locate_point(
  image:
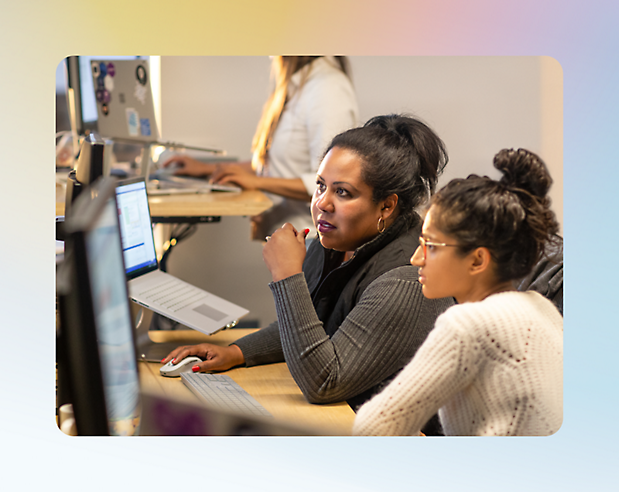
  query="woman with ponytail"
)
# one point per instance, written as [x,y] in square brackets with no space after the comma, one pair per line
[350,312]
[493,365]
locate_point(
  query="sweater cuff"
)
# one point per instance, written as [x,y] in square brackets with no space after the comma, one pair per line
[290,289]
[261,347]
[296,314]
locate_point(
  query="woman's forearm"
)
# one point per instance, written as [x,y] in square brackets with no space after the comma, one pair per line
[374,341]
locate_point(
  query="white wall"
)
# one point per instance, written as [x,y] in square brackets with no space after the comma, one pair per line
[213,101]
[478,105]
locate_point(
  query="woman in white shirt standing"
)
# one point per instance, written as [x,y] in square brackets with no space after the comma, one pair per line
[313,100]
[493,364]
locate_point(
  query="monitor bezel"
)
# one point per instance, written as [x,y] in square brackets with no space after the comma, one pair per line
[77,333]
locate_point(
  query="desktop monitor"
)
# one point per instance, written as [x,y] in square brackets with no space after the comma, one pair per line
[97,355]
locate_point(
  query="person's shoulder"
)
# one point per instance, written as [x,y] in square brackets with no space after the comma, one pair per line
[500,302]
[406,273]
[534,302]
[503,308]
[515,300]
[325,74]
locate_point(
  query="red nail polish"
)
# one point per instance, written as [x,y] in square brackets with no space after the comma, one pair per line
[162,360]
[195,368]
[173,361]
[306,231]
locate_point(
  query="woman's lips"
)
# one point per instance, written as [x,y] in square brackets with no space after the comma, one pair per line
[324,226]
[421,278]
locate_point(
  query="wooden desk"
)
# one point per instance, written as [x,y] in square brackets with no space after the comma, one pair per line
[214,204]
[271,385]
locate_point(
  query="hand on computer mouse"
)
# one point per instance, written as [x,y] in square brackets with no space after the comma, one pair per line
[188,166]
[216,358]
[173,370]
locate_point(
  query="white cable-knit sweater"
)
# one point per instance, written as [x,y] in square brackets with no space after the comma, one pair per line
[493,367]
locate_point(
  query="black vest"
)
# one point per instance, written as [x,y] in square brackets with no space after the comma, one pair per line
[337,287]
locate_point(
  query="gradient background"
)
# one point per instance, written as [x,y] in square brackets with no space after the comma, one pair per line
[34,37]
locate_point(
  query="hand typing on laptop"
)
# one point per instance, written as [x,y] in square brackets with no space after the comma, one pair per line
[216,358]
[188,166]
[184,165]
[236,174]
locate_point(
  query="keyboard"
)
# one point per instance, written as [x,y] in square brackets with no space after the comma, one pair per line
[221,392]
[165,183]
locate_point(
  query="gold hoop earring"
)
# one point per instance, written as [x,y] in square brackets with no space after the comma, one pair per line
[380,231]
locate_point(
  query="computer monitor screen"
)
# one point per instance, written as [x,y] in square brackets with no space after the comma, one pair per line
[137,231]
[95,319]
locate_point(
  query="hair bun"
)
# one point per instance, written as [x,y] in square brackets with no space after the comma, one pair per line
[525,170]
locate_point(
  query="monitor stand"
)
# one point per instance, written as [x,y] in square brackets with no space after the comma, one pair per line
[148,350]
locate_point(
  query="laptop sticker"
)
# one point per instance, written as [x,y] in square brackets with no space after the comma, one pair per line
[145,127]
[133,122]
[140,92]
[140,73]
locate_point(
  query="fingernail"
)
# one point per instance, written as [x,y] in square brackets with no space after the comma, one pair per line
[173,361]
[195,368]
[162,360]
[306,231]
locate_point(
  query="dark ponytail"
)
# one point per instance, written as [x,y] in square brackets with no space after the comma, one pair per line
[511,217]
[400,155]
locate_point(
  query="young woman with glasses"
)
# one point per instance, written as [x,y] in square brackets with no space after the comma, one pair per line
[493,365]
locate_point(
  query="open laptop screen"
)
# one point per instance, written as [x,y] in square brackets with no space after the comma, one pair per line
[136,229]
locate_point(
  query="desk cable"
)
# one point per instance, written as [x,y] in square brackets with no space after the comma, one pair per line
[178,233]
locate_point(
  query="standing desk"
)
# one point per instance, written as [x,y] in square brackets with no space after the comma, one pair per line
[271,385]
[174,208]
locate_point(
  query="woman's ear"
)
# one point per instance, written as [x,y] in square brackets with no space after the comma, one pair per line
[389,205]
[480,260]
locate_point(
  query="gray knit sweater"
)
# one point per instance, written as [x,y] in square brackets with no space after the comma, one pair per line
[377,338]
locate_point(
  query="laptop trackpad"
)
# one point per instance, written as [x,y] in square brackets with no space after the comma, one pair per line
[210,312]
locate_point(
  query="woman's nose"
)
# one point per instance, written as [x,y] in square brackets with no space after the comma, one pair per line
[324,203]
[417,259]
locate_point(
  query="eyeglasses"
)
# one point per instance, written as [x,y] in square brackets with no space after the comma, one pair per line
[424,245]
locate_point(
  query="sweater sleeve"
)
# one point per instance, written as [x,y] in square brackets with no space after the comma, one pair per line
[444,365]
[368,347]
[262,347]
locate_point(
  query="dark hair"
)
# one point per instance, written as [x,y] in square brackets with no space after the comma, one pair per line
[510,217]
[400,155]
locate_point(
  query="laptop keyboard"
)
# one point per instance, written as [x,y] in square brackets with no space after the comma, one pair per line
[173,294]
[221,392]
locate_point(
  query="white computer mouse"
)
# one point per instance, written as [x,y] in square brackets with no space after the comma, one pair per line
[173,370]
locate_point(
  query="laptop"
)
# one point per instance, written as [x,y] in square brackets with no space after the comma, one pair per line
[165,183]
[156,290]
[125,111]
[125,108]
